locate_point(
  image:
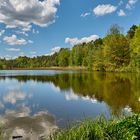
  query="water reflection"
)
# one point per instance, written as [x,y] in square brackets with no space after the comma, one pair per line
[21,124]
[13,96]
[68,96]
[17,116]
[116,90]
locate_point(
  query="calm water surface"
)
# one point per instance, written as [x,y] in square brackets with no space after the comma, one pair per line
[56,98]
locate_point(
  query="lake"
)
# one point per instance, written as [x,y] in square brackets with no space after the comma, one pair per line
[35,102]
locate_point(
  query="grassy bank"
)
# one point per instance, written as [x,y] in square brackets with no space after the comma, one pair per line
[126,128]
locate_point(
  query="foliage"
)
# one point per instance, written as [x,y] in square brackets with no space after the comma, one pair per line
[63,57]
[135,48]
[114,30]
[118,49]
[132,31]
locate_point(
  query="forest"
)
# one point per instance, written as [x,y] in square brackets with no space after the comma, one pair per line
[115,52]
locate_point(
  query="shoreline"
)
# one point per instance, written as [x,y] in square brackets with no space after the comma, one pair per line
[76,68]
[50,68]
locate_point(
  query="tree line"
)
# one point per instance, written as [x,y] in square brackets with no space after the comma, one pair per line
[115,52]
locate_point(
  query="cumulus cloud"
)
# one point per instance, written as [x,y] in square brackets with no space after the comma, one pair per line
[104,9]
[121,13]
[22,32]
[130,4]
[27,28]
[74,41]
[14,96]
[13,40]
[35,31]
[121,2]
[85,14]
[24,111]
[24,13]
[2,32]
[13,49]
[30,41]
[71,96]
[23,116]
[54,50]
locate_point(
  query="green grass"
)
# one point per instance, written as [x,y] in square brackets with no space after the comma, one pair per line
[126,128]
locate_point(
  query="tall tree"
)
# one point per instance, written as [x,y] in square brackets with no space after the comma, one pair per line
[132,31]
[117,47]
[135,48]
[63,57]
[115,29]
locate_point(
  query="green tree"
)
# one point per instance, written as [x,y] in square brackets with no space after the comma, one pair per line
[118,50]
[115,29]
[132,31]
[63,57]
[135,48]
[78,54]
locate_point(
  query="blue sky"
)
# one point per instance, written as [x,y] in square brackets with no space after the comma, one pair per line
[33,27]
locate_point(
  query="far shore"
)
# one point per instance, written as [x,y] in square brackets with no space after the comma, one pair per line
[50,68]
[77,68]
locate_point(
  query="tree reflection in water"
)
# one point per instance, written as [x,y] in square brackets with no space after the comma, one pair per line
[118,91]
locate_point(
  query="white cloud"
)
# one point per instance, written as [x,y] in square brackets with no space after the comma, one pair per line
[130,4]
[27,28]
[2,32]
[121,2]
[121,13]
[74,41]
[41,121]
[13,40]
[104,9]
[54,50]
[30,41]
[71,96]
[13,49]
[85,14]
[22,32]
[13,96]
[23,13]
[35,31]
[23,111]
